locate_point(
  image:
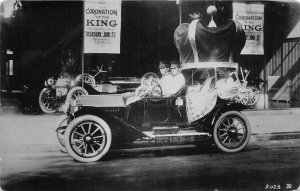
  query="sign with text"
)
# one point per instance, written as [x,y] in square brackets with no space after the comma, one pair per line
[102,26]
[251,17]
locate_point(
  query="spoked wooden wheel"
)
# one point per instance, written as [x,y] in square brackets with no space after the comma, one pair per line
[242,96]
[254,95]
[46,102]
[87,78]
[88,138]
[232,131]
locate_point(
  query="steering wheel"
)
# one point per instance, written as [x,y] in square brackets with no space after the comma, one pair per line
[140,91]
[155,90]
[148,78]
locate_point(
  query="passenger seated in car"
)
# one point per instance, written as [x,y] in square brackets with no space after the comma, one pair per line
[209,83]
[226,87]
[177,80]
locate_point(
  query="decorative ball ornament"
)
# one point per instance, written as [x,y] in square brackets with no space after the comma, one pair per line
[211,10]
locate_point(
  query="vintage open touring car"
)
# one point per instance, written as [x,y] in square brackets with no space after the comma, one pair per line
[56,92]
[207,110]
[95,123]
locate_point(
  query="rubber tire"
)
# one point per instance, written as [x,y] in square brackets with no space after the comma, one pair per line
[71,92]
[41,103]
[79,120]
[248,129]
[93,81]
[60,146]
[243,96]
[250,88]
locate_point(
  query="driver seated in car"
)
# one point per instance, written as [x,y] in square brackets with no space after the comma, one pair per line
[166,77]
[176,81]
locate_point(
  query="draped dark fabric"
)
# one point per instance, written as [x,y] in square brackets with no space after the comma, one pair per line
[213,44]
[182,43]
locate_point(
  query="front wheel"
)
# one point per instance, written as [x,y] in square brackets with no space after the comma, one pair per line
[232,132]
[88,138]
[46,101]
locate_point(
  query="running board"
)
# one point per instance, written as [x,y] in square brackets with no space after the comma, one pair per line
[179,138]
[179,134]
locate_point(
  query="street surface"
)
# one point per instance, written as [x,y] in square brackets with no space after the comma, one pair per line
[31,161]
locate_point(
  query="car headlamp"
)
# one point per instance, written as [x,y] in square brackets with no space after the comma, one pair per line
[50,81]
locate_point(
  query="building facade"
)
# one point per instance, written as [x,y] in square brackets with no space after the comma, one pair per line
[37,41]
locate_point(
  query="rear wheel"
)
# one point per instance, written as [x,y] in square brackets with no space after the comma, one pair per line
[88,138]
[232,131]
[242,96]
[46,102]
[254,95]
[87,78]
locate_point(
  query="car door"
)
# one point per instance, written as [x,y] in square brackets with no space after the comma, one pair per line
[157,110]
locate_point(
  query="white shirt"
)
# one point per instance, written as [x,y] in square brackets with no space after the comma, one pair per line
[175,83]
[165,80]
[207,84]
[227,88]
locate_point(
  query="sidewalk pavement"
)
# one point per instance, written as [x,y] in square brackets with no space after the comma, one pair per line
[274,120]
[274,124]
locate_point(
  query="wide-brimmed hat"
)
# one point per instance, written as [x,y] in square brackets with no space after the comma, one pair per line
[175,64]
[163,64]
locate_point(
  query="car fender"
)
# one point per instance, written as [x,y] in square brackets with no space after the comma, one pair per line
[223,107]
[121,130]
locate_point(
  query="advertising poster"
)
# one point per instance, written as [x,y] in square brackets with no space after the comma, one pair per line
[251,17]
[102,26]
